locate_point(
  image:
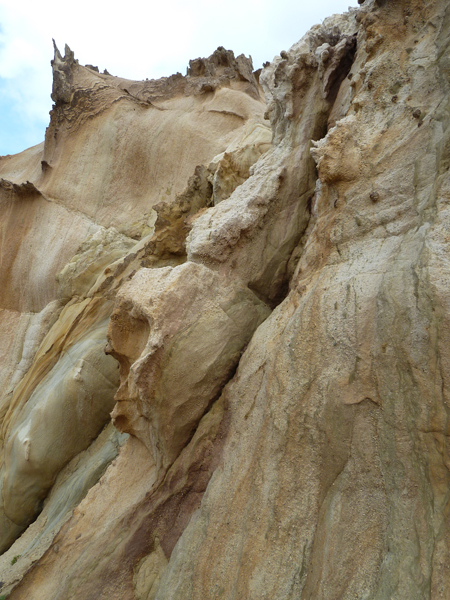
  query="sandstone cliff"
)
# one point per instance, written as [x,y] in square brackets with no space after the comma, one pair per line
[250,273]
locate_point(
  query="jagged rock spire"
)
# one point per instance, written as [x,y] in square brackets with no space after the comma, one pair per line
[62,74]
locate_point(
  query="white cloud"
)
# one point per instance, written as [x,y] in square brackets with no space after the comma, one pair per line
[137,40]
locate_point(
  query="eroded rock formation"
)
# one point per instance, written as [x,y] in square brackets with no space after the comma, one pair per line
[65,255]
[275,313]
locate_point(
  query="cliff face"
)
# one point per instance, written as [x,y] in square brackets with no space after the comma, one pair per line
[263,311]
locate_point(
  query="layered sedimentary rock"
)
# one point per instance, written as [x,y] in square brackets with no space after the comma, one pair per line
[63,260]
[266,319]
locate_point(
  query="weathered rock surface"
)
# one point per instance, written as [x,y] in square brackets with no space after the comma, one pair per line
[63,260]
[162,316]
[281,324]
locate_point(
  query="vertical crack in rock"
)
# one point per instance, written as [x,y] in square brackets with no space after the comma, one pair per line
[161,397]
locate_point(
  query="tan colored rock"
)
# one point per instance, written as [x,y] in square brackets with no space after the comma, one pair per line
[124,123]
[148,573]
[64,399]
[338,156]
[232,168]
[58,383]
[71,486]
[320,467]
[168,243]
[32,222]
[97,545]
[161,317]
[139,127]
[346,443]
[81,273]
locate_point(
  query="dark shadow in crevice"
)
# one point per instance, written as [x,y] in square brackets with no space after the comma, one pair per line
[342,69]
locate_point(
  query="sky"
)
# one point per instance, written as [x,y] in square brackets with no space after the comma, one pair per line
[132,39]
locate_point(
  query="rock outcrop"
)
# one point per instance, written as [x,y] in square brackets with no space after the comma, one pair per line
[65,254]
[264,313]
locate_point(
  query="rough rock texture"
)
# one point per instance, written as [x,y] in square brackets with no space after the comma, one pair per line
[281,323]
[162,395]
[63,260]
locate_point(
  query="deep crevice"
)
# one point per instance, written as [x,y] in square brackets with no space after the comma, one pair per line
[342,69]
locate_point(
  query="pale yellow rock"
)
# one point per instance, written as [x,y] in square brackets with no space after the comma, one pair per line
[97,544]
[70,487]
[319,468]
[30,223]
[232,167]
[93,256]
[107,159]
[64,400]
[161,316]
